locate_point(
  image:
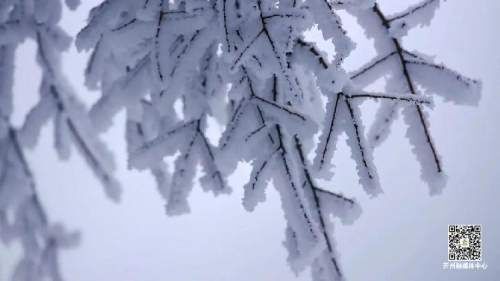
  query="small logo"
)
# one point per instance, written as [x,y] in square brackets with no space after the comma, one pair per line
[464,242]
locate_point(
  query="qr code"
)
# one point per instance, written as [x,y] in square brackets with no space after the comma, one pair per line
[464,242]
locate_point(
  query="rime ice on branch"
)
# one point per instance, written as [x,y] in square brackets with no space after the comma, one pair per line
[22,216]
[409,72]
[174,65]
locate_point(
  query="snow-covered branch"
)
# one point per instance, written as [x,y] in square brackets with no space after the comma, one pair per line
[247,65]
[180,68]
[410,71]
[22,215]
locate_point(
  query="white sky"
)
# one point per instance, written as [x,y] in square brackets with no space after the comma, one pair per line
[401,235]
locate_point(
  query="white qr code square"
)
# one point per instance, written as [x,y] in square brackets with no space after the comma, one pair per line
[464,242]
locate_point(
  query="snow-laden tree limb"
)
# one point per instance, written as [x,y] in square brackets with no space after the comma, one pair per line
[22,214]
[180,68]
[408,71]
[247,65]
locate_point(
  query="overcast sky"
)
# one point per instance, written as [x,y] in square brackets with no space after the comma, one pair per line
[401,235]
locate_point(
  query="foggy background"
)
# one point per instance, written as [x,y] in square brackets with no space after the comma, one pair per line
[401,234]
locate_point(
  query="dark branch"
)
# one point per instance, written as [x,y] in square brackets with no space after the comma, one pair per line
[79,139]
[358,136]
[335,195]
[330,131]
[280,107]
[313,189]
[409,83]
[395,98]
[291,181]
[261,168]
[415,9]
[157,41]
[372,65]
[313,51]
[210,153]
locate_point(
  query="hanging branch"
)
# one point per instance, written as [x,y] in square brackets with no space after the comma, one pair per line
[415,71]
[400,54]
[91,148]
[22,214]
[247,65]
[314,190]
[40,239]
[179,69]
